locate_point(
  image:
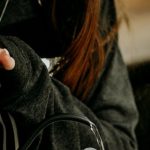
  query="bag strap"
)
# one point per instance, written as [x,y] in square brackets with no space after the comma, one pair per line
[3,10]
[63,117]
[9,137]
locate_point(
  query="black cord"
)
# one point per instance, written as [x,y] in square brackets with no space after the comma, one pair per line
[58,118]
[4,10]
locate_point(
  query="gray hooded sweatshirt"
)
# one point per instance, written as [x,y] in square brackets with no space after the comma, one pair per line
[31,95]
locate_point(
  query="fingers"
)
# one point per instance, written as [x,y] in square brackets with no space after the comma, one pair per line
[6,61]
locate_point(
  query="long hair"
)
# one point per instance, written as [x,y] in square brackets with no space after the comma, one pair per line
[84,57]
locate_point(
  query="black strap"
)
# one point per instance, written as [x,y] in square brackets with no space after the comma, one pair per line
[63,117]
[9,139]
[9,135]
[3,10]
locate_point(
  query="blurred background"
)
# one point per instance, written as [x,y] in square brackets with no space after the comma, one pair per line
[135,40]
[135,47]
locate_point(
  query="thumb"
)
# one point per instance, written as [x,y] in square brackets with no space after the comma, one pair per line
[6,61]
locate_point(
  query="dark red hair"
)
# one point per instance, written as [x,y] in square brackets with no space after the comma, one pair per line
[84,58]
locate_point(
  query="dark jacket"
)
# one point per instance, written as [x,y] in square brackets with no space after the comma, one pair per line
[31,95]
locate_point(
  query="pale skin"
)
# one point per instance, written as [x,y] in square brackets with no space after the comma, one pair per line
[6,61]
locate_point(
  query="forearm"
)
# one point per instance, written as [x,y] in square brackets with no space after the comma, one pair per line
[23,78]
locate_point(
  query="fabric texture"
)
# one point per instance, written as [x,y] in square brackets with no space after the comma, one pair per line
[31,95]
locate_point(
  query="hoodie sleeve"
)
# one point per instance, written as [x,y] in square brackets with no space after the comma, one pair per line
[27,78]
[112,101]
[31,93]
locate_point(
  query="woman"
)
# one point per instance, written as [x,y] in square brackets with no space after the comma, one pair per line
[90,79]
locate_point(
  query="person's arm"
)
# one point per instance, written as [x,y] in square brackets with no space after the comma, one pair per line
[112,99]
[36,96]
[21,71]
[110,105]
[113,102]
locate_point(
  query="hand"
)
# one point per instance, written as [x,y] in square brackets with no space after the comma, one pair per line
[6,61]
